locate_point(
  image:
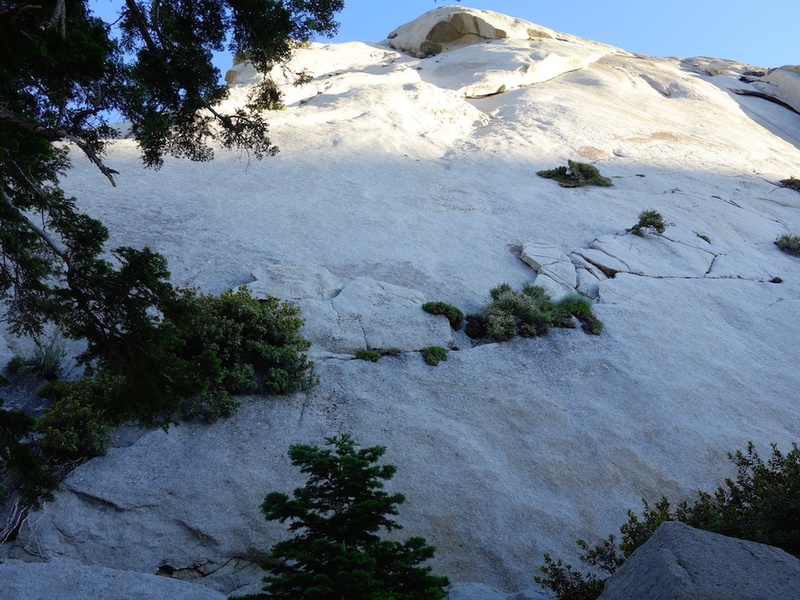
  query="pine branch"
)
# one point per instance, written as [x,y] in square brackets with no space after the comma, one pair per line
[59,16]
[58,135]
[43,235]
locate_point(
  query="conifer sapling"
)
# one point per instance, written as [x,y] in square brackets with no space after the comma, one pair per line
[337,516]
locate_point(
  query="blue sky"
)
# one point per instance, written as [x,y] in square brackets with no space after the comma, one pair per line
[763,33]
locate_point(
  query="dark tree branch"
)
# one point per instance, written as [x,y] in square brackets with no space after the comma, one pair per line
[59,16]
[90,153]
[58,135]
[43,235]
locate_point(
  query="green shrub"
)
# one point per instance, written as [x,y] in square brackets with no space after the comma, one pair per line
[789,244]
[337,516]
[433,355]
[76,426]
[368,355]
[71,430]
[580,307]
[762,505]
[46,362]
[792,183]
[22,469]
[205,349]
[649,219]
[510,313]
[529,313]
[705,238]
[453,314]
[576,175]
[476,327]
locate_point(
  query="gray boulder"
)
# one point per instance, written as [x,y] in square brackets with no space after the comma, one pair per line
[480,591]
[45,581]
[683,563]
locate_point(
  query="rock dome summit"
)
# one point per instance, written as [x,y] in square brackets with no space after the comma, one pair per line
[407,174]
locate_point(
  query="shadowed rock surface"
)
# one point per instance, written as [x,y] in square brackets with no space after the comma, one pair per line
[682,563]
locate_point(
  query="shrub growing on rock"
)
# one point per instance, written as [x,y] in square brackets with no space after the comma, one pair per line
[577,174]
[791,183]
[433,355]
[368,355]
[789,244]
[22,470]
[580,307]
[46,361]
[453,314]
[762,505]
[530,313]
[649,219]
[337,516]
[201,351]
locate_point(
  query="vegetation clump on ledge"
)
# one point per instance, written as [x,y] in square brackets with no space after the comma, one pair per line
[576,175]
[791,183]
[453,314]
[530,313]
[433,355]
[789,244]
[650,219]
[368,355]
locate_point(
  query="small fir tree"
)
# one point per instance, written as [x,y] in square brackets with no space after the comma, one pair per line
[337,516]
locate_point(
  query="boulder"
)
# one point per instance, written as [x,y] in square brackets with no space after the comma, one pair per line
[289,281]
[44,581]
[480,591]
[554,270]
[683,563]
[474,591]
[781,84]
[448,26]
[373,314]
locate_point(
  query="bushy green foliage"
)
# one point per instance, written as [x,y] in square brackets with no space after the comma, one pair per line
[530,313]
[46,361]
[337,516]
[368,355]
[580,307]
[789,244]
[762,505]
[511,313]
[22,469]
[453,314]
[64,70]
[791,183]
[74,428]
[649,219]
[433,355]
[577,174]
[202,349]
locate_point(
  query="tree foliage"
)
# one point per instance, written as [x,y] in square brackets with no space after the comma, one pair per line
[63,71]
[761,504]
[337,517]
[151,349]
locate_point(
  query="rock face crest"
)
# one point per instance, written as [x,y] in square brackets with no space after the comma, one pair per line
[449,26]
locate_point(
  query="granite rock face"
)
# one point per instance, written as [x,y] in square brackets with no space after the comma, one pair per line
[683,563]
[45,581]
